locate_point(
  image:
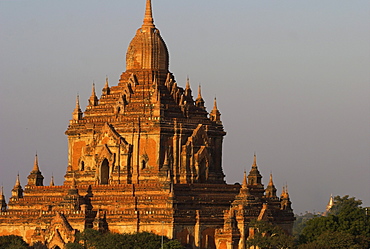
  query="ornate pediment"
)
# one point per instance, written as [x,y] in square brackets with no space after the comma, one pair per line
[199,137]
[57,234]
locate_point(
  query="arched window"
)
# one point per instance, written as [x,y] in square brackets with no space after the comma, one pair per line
[143,164]
[82,165]
[104,172]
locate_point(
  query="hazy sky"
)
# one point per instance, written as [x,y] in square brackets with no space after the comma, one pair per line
[291,79]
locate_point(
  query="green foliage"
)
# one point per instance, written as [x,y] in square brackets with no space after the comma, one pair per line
[39,245]
[74,246]
[12,242]
[269,236]
[95,240]
[346,226]
[300,223]
[173,244]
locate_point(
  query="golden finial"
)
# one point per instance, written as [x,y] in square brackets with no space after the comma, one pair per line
[148,18]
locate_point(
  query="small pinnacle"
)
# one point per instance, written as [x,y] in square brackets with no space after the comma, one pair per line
[187,83]
[17,182]
[215,104]
[254,160]
[93,89]
[271,182]
[199,91]
[52,181]
[77,102]
[36,164]
[244,184]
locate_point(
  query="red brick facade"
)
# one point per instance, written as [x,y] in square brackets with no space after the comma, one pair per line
[145,156]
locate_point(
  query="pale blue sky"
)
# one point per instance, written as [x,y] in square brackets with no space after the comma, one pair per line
[291,78]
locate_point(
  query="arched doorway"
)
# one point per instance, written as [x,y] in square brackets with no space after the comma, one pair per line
[104,172]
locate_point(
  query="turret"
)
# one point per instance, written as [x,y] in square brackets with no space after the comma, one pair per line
[255,180]
[188,97]
[93,100]
[285,202]
[215,114]
[199,102]
[17,191]
[244,190]
[106,89]
[52,181]
[77,113]
[244,198]
[254,177]
[270,191]
[35,177]
[2,200]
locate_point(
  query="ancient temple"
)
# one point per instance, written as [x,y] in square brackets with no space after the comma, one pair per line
[144,156]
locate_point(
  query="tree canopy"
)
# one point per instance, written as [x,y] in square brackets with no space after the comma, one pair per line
[346,226]
[12,242]
[268,235]
[93,239]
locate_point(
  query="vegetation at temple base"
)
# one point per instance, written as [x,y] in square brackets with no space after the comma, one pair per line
[346,226]
[12,242]
[93,239]
[268,236]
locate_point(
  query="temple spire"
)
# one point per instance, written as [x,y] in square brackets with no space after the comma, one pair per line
[148,18]
[35,177]
[78,103]
[254,161]
[282,193]
[285,202]
[93,89]
[200,101]
[77,113]
[17,191]
[255,180]
[271,190]
[215,114]
[2,200]
[199,92]
[93,100]
[106,89]
[244,184]
[329,206]
[271,183]
[17,182]
[36,165]
[52,181]
[147,50]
